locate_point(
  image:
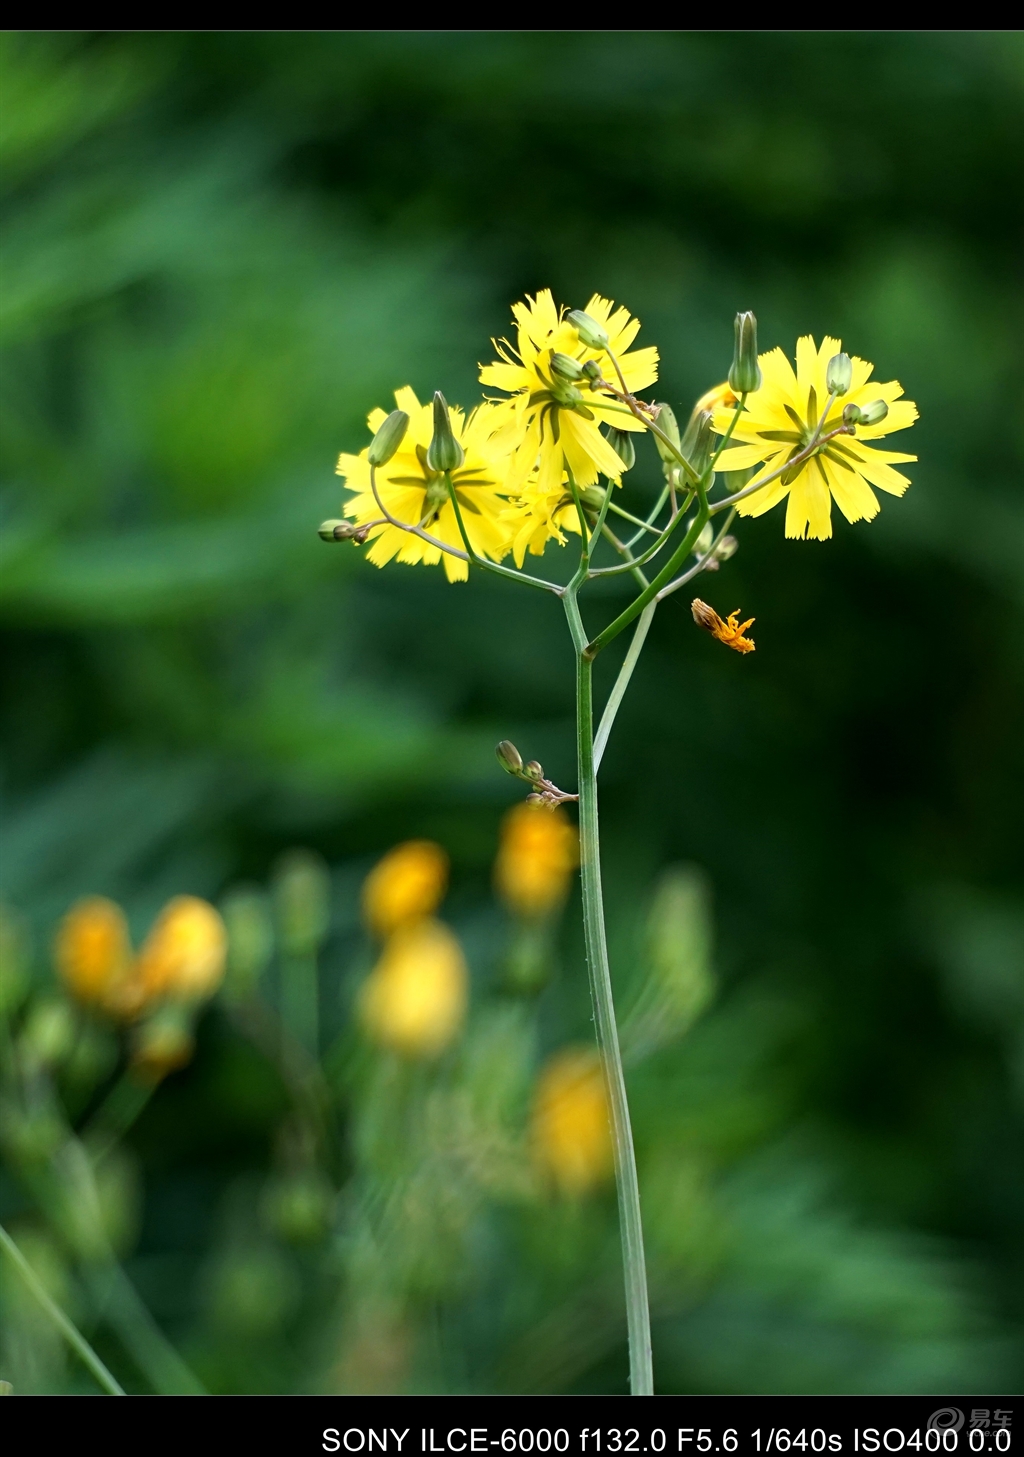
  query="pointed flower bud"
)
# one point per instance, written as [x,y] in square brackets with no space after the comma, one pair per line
[533,770]
[872,414]
[839,374]
[388,438]
[326,530]
[668,425]
[745,374]
[445,453]
[592,371]
[698,440]
[509,757]
[566,367]
[622,443]
[589,330]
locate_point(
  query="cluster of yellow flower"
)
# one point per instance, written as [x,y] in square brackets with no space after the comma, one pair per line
[415,1000]
[179,966]
[515,454]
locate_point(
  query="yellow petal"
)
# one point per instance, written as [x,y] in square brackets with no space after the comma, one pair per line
[809,513]
[853,495]
[405,399]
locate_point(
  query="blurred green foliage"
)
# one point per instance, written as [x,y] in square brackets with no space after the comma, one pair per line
[221,250]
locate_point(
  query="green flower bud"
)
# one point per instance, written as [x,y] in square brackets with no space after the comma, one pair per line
[534,771]
[839,374]
[336,530]
[593,497]
[698,440]
[589,330]
[302,901]
[703,543]
[509,757]
[726,548]
[621,441]
[566,367]
[592,371]
[745,374]
[444,453]
[668,425]
[871,414]
[388,438]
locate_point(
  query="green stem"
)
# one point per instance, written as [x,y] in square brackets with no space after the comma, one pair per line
[116,1114]
[638,1318]
[67,1328]
[123,1309]
[300,1000]
[666,574]
[618,692]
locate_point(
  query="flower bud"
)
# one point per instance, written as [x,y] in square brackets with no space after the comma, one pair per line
[698,440]
[874,413]
[703,543]
[184,955]
[589,330]
[326,530]
[668,425]
[593,498]
[534,771]
[745,374]
[566,367]
[445,453]
[388,438]
[341,531]
[839,374]
[509,757]
[726,548]
[622,443]
[592,371]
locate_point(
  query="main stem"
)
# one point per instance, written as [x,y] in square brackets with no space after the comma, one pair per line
[638,1317]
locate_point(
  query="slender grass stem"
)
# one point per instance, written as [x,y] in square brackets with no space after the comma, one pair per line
[638,1318]
[621,683]
[67,1328]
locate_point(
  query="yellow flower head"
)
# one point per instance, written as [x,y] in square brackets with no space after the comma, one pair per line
[551,422]
[536,858]
[413,493]
[730,632]
[536,517]
[184,955]
[414,1000]
[406,885]
[571,1122]
[93,951]
[781,419]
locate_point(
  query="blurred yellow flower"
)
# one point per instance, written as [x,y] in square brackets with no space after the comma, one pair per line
[406,885]
[551,420]
[413,493]
[571,1129]
[184,955]
[93,951]
[414,1000]
[538,853]
[780,420]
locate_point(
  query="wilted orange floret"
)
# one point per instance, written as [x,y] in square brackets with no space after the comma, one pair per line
[406,885]
[184,954]
[415,998]
[538,854]
[93,950]
[730,633]
[571,1132]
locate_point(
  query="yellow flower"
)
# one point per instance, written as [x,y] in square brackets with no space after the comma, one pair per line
[571,1121]
[414,1000]
[537,856]
[417,495]
[779,421]
[93,951]
[730,633]
[406,885]
[184,954]
[536,517]
[550,422]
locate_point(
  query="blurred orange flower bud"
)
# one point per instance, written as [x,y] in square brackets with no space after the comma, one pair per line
[538,854]
[162,1043]
[572,1138]
[415,998]
[406,885]
[93,951]
[184,954]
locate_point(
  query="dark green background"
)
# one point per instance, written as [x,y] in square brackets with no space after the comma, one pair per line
[220,251]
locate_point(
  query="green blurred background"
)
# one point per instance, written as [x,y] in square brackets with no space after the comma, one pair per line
[220,251]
